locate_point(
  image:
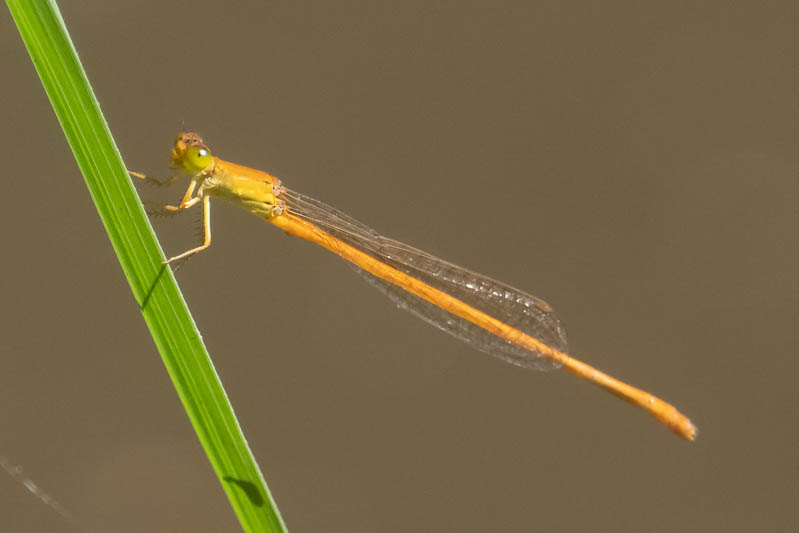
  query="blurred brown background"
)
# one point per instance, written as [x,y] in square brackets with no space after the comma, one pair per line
[634,164]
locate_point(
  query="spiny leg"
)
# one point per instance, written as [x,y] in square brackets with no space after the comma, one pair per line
[171,210]
[155,181]
[187,201]
[206,226]
[154,209]
[185,204]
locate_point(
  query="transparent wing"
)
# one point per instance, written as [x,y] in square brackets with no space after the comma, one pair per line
[518,309]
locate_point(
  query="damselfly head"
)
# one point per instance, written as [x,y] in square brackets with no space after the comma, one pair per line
[190,153]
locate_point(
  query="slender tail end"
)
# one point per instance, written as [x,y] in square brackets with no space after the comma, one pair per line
[663,412]
[677,422]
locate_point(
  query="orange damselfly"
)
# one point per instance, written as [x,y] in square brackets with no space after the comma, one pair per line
[486,314]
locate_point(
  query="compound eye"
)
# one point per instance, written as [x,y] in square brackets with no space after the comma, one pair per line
[197,158]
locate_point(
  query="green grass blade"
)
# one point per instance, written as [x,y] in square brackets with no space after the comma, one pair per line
[154,288]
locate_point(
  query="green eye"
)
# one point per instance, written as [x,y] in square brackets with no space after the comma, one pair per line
[196,159]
